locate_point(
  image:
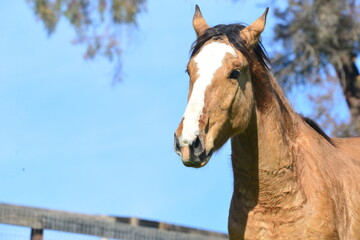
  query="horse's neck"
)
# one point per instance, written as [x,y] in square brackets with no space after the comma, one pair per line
[263,160]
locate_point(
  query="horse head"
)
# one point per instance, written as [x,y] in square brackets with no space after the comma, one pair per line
[221,97]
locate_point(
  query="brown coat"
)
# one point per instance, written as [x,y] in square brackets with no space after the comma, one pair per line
[291,181]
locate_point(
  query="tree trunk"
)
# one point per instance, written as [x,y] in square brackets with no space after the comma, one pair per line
[350,83]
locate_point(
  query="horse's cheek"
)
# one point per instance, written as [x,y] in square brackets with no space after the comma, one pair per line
[243,107]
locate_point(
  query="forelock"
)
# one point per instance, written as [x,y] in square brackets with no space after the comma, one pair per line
[232,33]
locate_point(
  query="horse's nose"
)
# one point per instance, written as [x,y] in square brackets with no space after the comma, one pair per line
[192,153]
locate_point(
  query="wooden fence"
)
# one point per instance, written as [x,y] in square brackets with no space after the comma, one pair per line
[96,225]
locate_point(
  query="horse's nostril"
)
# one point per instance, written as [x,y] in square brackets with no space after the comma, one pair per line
[197,147]
[177,145]
[197,143]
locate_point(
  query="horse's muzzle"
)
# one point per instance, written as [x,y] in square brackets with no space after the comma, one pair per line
[193,154]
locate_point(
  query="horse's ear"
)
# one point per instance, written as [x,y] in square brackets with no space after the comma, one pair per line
[251,33]
[199,22]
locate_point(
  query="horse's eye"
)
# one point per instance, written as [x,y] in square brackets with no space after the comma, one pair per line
[234,74]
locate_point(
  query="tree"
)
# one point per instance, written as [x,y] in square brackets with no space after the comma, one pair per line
[319,40]
[97,23]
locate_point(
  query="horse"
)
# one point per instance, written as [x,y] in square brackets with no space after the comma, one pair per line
[291,180]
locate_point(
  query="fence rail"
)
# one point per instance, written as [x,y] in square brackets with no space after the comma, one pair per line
[103,226]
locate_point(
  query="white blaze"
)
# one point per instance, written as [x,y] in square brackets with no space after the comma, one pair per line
[208,61]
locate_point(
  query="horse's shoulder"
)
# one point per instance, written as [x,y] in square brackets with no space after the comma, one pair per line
[349,146]
[348,143]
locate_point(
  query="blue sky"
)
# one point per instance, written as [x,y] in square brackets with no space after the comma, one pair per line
[70,140]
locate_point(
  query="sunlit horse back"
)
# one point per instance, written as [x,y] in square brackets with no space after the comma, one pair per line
[291,181]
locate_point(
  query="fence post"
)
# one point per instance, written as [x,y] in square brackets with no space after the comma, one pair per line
[37,234]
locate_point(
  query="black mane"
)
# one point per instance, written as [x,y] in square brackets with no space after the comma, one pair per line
[232,31]
[318,129]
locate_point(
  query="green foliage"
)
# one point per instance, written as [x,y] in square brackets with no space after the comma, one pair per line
[317,37]
[48,12]
[97,23]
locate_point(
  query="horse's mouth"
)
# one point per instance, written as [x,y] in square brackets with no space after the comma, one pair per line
[198,161]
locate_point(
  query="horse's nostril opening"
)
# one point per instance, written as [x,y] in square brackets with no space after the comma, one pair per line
[176,144]
[197,142]
[197,147]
